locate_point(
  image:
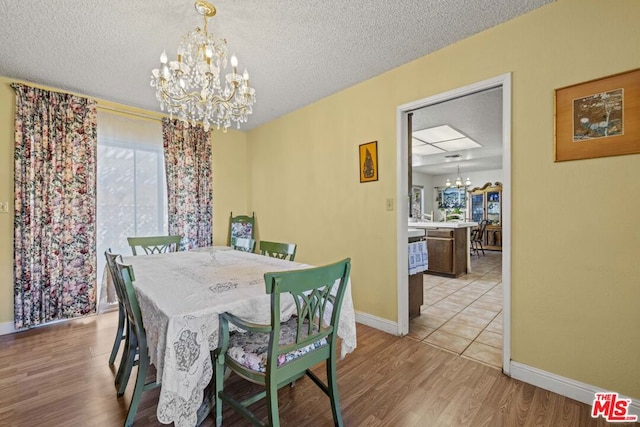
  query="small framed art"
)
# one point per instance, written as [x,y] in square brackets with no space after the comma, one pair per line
[369,161]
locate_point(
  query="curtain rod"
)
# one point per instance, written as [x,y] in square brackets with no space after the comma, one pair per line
[99,102]
[123,111]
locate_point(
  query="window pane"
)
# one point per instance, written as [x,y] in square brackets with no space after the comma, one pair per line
[150,208]
[131,189]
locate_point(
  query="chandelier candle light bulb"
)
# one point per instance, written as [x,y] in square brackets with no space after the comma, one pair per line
[191,86]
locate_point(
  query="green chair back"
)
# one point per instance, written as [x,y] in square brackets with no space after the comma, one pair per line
[278,250]
[312,336]
[244,245]
[137,341]
[241,227]
[112,271]
[130,338]
[154,244]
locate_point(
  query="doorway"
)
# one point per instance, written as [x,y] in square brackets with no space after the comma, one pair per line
[503,83]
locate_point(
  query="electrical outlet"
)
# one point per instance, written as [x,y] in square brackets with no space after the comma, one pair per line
[389,204]
[4,207]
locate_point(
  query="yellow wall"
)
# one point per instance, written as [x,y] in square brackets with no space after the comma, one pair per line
[575,259]
[229,169]
[7,112]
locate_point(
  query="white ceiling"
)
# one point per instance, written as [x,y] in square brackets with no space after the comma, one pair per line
[479,116]
[296,51]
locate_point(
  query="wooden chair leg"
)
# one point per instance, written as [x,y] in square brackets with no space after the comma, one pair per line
[219,384]
[119,335]
[143,366]
[123,358]
[332,386]
[128,360]
[272,404]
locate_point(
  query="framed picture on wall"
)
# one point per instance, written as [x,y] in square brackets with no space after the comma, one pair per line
[369,161]
[452,198]
[598,118]
[417,201]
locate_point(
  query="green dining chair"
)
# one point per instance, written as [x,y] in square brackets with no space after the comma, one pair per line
[122,315]
[244,245]
[137,352]
[277,354]
[241,227]
[155,244]
[278,250]
[123,372]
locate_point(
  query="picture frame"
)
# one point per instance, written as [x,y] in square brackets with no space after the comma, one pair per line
[369,161]
[452,198]
[416,205]
[598,118]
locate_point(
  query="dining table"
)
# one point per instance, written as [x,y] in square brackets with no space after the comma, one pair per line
[181,295]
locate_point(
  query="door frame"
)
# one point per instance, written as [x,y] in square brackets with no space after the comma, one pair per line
[402,214]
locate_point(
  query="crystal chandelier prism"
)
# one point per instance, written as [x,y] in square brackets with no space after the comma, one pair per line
[194,87]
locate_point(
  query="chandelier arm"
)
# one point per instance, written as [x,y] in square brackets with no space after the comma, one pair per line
[219,99]
[176,100]
[195,96]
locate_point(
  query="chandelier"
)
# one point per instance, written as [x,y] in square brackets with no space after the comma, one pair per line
[194,88]
[458,183]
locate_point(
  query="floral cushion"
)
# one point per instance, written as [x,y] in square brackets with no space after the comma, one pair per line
[250,349]
[241,230]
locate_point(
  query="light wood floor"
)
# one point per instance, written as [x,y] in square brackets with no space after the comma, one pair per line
[58,376]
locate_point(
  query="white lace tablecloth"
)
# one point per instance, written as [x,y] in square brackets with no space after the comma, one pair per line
[181,295]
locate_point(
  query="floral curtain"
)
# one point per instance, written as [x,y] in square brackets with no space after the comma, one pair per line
[55,194]
[187,158]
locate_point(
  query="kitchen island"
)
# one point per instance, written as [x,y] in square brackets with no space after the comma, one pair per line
[448,245]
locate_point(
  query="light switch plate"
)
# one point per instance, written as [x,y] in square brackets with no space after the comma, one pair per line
[4,207]
[389,204]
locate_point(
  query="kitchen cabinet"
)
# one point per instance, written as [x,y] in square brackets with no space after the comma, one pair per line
[486,203]
[447,250]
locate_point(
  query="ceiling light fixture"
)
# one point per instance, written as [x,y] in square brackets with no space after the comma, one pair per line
[458,183]
[191,88]
[440,139]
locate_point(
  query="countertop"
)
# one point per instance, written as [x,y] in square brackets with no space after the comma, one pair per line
[416,232]
[442,224]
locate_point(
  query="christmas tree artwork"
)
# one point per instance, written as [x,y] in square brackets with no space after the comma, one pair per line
[368,170]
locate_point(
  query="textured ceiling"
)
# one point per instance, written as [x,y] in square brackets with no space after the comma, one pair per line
[296,51]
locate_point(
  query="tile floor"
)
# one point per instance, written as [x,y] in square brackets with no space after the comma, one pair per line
[464,315]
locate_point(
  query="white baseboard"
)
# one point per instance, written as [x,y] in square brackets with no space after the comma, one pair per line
[7,328]
[573,389]
[376,322]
